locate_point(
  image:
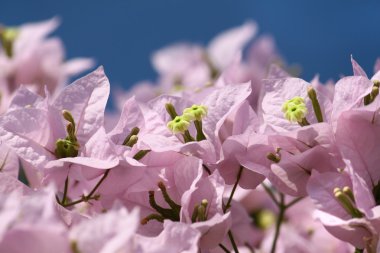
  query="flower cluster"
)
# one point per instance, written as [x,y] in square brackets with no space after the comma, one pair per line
[223,153]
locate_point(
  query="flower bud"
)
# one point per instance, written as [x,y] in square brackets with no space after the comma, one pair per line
[65,148]
[132,141]
[171,110]
[7,38]
[67,116]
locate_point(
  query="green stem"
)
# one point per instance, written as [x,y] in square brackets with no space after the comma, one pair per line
[90,195]
[228,205]
[198,127]
[64,198]
[139,155]
[281,216]
[303,122]
[293,202]
[270,193]
[99,183]
[358,250]
[187,136]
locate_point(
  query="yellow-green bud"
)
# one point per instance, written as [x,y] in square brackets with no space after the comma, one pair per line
[65,148]
[171,110]
[347,202]
[7,37]
[132,141]
[179,124]
[294,109]
[195,112]
[68,116]
[74,247]
[10,34]
[347,190]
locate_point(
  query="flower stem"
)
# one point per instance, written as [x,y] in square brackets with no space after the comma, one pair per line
[86,198]
[200,134]
[282,208]
[224,248]
[233,243]
[99,183]
[293,202]
[64,198]
[228,205]
[270,193]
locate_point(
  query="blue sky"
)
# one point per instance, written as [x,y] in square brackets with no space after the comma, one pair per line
[122,34]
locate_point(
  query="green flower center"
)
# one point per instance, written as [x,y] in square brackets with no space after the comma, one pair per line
[179,124]
[195,112]
[294,109]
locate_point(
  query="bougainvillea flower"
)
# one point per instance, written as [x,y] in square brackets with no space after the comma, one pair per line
[35,130]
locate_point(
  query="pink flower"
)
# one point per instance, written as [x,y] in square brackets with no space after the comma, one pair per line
[113,231]
[175,237]
[34,220]
[186,196]
[33,130]
[31,58]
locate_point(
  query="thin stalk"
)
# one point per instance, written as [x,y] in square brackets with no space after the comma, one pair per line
[99,183]
[198,127]
[90,196]
[64,198]
[234,246]
[228,205]
[224,248]
[279,221]
[293,202]
[270,193]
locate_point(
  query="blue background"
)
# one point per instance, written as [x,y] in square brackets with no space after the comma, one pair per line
[121,35]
